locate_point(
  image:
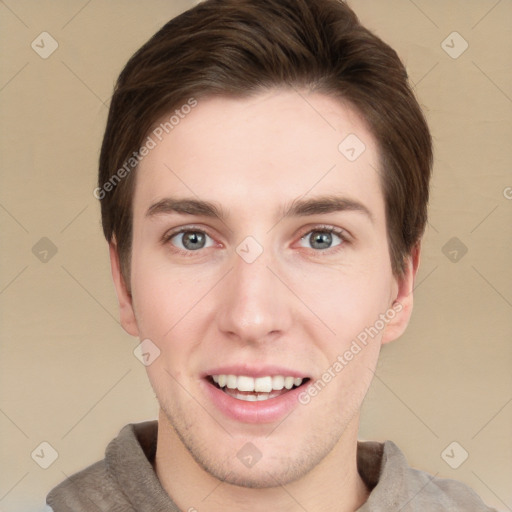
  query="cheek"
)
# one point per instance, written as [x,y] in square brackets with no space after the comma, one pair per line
[161,307]
[347,300]
[167,304]
[160,293]
[155,305]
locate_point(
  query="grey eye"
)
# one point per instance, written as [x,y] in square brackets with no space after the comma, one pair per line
[190,240]
[320,239]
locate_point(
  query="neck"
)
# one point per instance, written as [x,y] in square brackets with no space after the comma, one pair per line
[333,485]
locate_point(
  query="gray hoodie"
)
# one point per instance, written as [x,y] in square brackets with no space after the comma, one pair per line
[124,481]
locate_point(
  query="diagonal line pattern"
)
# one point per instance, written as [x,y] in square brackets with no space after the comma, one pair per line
[494,416]
[72,478]
[492,81]
[492,286]
[228,228]
[80,80]
[491,490]
[5,495]
[13,77]
[306,193]
[13,13]
[165,165]
[75,15]
[309,103]
[424,279]
[13,279]
[104,395]
[414,497]
[481,222]
[197,302]
[302,301]
[424,14]
[197,401]
[426,74]
[432,226]
[485,15]
[90,294]
[286,491]
[216,487]
[13,218]
[73,219]
[280,423]
[14,423]
[375,375]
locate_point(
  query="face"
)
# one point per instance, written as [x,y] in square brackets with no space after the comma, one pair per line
[272,283]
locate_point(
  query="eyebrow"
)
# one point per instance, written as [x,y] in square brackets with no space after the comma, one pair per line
[326,204]
[186,206]
[299,207]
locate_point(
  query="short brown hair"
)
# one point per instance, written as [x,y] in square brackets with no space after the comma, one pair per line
[237,48]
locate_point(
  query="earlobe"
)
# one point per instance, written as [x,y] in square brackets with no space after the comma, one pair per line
[403,303]
[126,312]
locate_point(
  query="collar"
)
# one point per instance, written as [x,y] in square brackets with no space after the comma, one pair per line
[130,456]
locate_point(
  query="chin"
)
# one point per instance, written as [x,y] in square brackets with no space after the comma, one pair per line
[262,475]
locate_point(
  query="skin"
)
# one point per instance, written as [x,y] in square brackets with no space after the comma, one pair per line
[296,305]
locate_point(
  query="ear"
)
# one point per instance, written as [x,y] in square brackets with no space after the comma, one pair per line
[403,302]
[127,315]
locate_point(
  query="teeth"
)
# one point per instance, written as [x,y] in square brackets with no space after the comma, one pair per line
[263,384]
[257,385]
[278,382]
[245,383]
[231,381]
[256,397]
[247,398]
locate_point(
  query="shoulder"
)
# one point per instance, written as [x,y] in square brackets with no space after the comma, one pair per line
[107,484]
[425,491]
[401,487]
[91,488]
[444,494]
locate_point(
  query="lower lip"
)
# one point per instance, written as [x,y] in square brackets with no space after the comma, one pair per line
[264,411]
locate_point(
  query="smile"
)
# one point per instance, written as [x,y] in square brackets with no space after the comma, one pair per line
[249,389]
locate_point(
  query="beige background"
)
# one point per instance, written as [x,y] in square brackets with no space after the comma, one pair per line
[68,373]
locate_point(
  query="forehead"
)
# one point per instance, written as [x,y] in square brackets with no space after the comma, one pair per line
[250,153]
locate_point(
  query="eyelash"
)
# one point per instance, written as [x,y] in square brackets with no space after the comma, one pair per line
[341,233]
[169,236]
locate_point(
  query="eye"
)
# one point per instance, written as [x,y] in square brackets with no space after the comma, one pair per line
[323,238]
[190,239]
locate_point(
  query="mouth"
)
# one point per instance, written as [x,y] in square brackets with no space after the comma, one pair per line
[256,394]
[256,389]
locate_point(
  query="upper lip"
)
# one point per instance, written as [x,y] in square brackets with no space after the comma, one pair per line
[255,371]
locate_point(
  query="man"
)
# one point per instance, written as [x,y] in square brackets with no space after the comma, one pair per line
[264,184]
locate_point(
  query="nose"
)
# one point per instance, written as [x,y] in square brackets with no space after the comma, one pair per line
[254,304]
